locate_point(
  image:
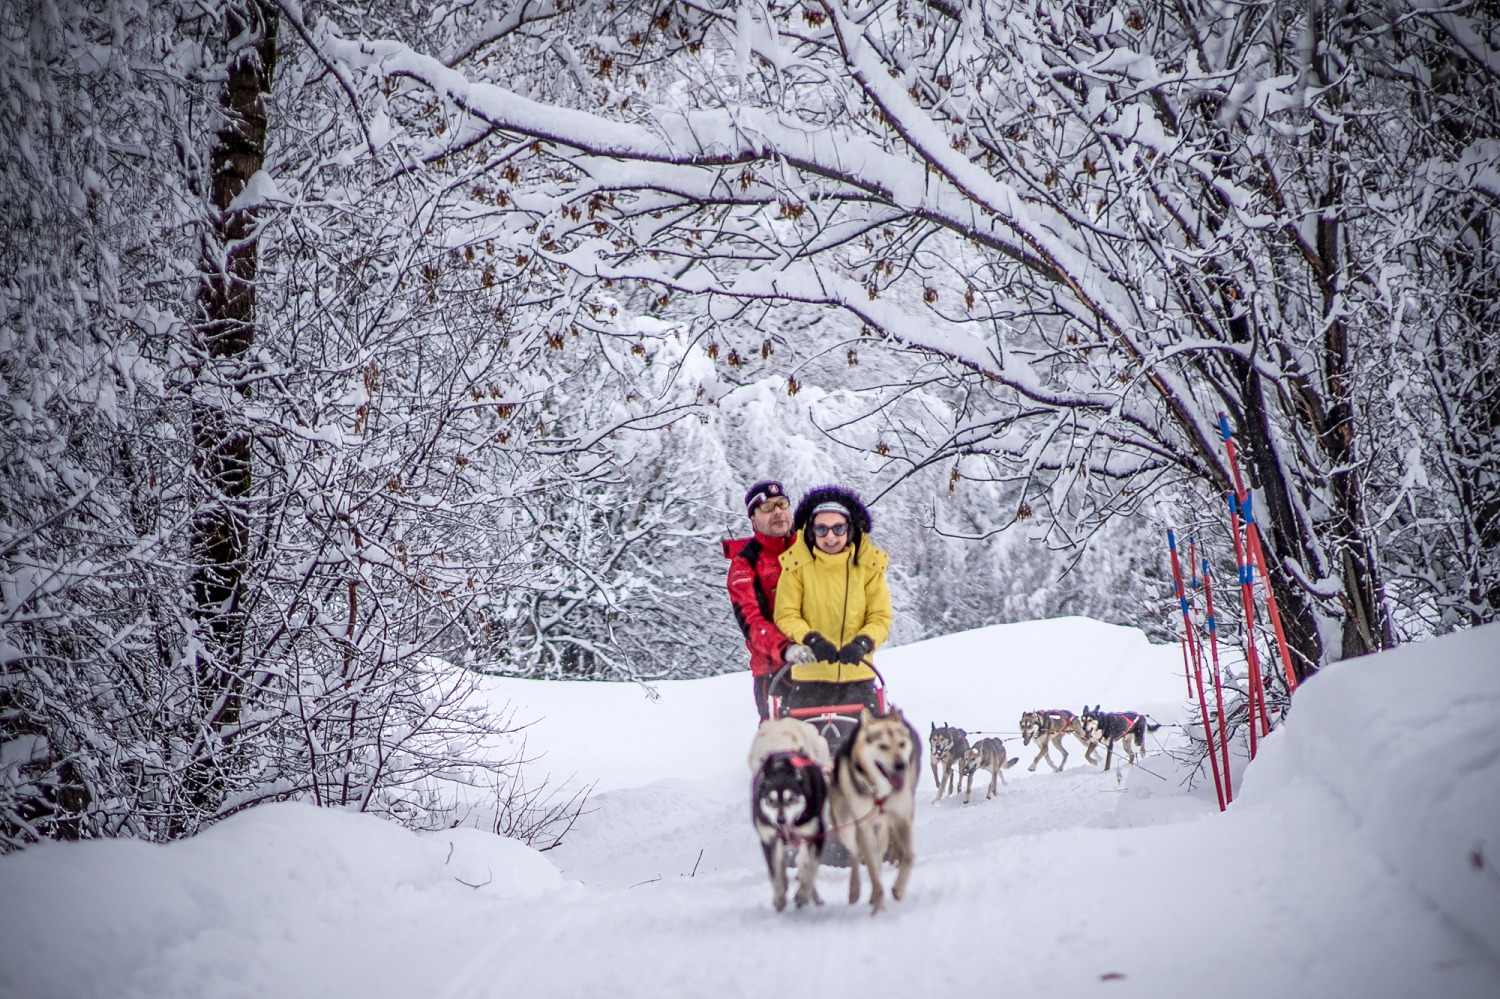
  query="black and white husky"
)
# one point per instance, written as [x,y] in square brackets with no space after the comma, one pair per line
[788,798]
[1128,728]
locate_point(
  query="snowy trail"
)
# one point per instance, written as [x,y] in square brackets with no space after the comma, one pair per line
[1081,879]
[1000,900]
[1123,883]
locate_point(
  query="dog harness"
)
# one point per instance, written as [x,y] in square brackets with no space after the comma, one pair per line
[799,759]
[1132,719]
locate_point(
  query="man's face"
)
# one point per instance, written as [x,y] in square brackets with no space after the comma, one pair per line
[773,518]
[830,532]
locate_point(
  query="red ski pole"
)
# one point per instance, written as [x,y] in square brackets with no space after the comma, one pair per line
[1256,691]
[1213,645]
[1192,595]
[1198,655]
[1192,583]
[1188,644]
[1257,554]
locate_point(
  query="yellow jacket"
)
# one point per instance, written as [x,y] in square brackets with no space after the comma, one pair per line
[836,597]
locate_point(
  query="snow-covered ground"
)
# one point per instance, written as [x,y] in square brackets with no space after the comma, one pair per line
[1359,858]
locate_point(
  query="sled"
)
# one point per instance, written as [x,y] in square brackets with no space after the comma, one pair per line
[834,722]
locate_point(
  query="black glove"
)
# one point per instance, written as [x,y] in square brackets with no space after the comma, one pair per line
[856,650]
[825,650]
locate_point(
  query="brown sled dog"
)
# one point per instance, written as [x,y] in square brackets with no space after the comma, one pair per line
[986,754]
[872,799]
[1048,729]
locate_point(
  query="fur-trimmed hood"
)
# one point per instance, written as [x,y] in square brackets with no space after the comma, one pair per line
[858,513]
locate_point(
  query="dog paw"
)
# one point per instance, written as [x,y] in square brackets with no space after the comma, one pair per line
[781,904]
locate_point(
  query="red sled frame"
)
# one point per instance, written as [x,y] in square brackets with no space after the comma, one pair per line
[834,722]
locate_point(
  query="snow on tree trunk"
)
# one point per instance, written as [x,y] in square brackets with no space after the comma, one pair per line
[222,436]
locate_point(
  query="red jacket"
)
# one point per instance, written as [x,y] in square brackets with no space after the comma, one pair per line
[754,570]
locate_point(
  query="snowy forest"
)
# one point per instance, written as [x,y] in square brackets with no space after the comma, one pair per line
[354,351]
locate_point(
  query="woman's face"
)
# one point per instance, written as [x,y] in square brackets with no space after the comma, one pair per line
[830,532]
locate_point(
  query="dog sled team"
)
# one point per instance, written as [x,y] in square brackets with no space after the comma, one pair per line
[834,767]
[1092,728]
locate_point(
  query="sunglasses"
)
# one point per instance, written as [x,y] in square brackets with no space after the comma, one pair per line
[837,530]
[772,505]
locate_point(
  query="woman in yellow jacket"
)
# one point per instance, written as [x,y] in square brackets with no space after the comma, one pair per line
[832,601]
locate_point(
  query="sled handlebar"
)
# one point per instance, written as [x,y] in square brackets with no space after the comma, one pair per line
[780,677]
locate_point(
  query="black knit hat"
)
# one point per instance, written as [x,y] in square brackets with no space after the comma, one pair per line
[759,493]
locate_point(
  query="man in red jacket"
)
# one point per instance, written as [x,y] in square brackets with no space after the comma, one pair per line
[754,568]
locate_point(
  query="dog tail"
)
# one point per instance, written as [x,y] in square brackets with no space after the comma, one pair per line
[1010,763]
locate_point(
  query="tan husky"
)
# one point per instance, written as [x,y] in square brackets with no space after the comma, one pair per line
[1048,729]
[872,799]
[986,754]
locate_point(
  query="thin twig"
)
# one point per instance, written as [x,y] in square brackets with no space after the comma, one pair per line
[481,884]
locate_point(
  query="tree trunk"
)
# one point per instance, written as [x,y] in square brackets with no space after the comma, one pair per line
[1284,535]
[224,334]
[1479,418]
[1465,362]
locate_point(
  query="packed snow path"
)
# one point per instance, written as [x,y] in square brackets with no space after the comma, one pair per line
[1358,859]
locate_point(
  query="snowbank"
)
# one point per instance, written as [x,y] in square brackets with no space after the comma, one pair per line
[88,918]
[1407,739]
